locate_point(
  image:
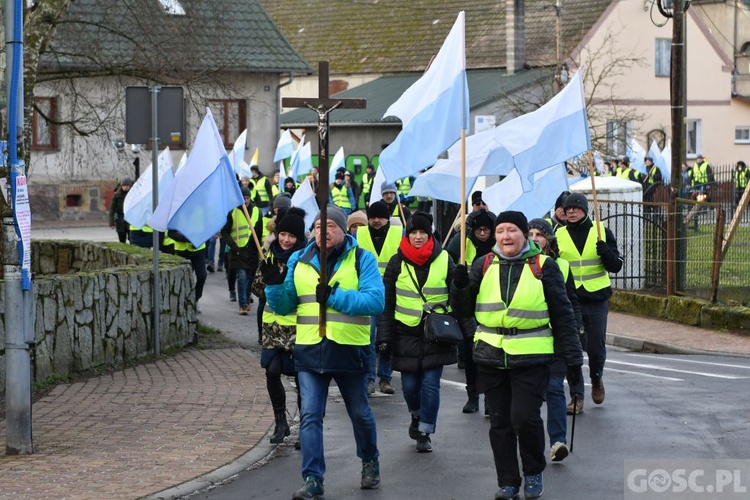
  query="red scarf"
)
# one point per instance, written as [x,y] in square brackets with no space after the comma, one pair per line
[418,256]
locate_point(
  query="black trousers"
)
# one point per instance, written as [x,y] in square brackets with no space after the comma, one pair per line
[514,398]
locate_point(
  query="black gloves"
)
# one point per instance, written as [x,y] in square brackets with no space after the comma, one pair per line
[273,272]
[461,276]
[601,248]
[323,291]
[384,348]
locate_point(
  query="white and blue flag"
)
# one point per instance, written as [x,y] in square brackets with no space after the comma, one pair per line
[201,196]
[138,205]
[285,147]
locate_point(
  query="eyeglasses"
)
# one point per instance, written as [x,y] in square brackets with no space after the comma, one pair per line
[482,230]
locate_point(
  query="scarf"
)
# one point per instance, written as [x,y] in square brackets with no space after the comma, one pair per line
[525,249]
[417,256]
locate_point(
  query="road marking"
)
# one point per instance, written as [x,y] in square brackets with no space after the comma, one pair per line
[724,365]
[672,379]
[655,367]
[461,385]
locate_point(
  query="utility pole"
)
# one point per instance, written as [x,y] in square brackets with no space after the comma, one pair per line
[16,252]
[678,102]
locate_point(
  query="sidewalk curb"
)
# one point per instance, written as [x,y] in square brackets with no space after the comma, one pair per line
[257,456]
[640,345]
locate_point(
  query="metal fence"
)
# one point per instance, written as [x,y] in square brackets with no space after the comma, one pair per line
[703,264]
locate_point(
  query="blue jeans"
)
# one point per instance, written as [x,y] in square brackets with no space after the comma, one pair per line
[557,418]
[379,365]
[422,396]
[313,390]
[243,276]
[211,251]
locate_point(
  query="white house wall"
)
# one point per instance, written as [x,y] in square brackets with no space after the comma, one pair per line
[709,80]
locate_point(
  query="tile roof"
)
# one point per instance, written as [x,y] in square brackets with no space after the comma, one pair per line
[484,86]
[390,36]
[214,35]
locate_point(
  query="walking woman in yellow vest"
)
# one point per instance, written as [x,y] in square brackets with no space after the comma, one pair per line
[420,268]
[279,331]
[523,317]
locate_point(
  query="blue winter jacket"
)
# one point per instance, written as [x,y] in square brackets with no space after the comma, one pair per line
[369,300]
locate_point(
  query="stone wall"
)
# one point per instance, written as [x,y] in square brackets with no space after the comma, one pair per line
[92,306]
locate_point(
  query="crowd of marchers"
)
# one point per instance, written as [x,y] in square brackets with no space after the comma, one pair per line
[528,297]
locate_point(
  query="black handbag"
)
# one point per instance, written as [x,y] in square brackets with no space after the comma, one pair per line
[438,327]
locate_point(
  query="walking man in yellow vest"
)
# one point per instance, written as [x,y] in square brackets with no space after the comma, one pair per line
[263,190]
[243,254]
[341,195]
[382,240]
[353,294]
[523,317]
[591,260]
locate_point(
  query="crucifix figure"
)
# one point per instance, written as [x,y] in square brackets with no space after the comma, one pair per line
[323,105]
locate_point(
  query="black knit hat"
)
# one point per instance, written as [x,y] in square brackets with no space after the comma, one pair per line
[379,210]
[560,201]
[543,226]
[476,197]
[339,175]
[577,200]
[482,219]
[420,221]
[246,192]
[513,217]
[293,222]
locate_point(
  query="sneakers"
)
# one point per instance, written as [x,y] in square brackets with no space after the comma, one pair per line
[578,407]
[424,445]
[506,493]
[414,427]
[232,296]
[386,387]
[558,452]
[244,310]
[370,475]
[597,391]
[311,490]
[533,486]
[370,387]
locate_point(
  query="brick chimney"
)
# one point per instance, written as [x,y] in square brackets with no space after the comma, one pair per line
[514,35]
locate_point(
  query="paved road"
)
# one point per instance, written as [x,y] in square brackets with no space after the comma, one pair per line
[657,407]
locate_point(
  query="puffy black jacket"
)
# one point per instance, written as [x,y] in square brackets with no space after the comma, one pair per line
[410,352]
[562,318]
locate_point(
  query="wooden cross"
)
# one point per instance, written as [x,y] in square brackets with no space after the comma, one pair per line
[323,105]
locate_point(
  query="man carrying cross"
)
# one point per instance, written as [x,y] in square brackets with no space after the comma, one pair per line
[336,288]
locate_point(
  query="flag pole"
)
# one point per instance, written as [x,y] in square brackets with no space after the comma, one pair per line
[593,191]
[252,231]
[462,213]
[401,210]
[450,230]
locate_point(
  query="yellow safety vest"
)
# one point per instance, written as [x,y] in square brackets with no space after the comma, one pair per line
[340,196]
[409,304]
[145,229]
[390,245]
[652,173]
[700,173]
[588,270]
[182,246]
[564,266]
[340,328]
[404,186]
[240,233]
[270,317]
[624,173]
[366,184]
[740,179]
[520,327]
[260,189]
[274,190]
[471,252]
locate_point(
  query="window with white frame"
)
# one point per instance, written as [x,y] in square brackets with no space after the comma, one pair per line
[618,136]
[229,115]
[663,57]
[44,130]
[742,134]
[694,141]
